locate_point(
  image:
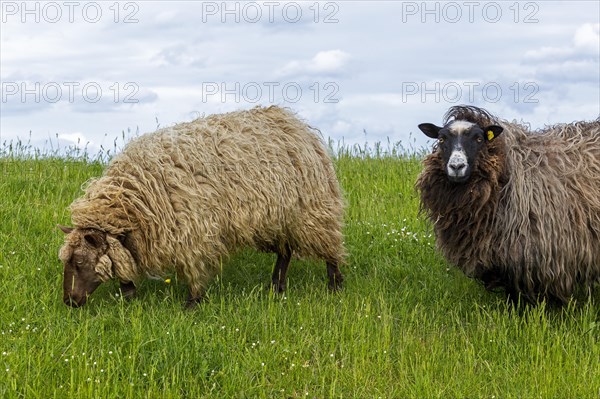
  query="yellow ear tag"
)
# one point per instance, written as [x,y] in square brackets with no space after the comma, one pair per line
[490,135]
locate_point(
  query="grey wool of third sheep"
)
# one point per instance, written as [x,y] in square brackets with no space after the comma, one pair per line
[514,208]
[185,197]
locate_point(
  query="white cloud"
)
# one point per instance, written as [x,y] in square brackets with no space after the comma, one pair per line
[585,43]
[323,63]
[181,55]
[545,53]
[329,61]
[588,36]
[555,67]
[570,71]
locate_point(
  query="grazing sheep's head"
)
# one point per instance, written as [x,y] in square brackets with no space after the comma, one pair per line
[90,257]
[460,143]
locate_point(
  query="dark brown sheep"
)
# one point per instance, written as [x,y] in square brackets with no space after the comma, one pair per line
[513,208]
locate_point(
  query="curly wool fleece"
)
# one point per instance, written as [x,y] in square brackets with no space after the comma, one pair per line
[186,196]
[528,220]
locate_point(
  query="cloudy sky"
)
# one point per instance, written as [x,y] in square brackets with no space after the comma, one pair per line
[359,70]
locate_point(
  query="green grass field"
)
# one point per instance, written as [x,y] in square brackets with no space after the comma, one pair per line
[406,325]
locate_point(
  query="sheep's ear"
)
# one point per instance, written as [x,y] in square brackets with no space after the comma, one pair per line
[430,130]
[122,261]
[65,229]
[94,239]
[493,131]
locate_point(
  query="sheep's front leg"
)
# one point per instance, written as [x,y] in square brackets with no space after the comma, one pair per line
[280,270]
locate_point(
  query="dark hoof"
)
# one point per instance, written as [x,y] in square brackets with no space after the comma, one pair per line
[335,276]
[336,284]
[278,288]
[127,290]
[191,303]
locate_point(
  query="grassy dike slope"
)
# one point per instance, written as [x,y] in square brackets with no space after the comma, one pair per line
[406,325]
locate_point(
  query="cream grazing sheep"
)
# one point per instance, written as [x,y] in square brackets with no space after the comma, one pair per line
[187,196]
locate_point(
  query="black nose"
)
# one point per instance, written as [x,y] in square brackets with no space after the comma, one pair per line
[72,302]
[457,166]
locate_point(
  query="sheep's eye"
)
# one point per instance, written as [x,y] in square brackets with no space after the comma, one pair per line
[441,140]
[480,139]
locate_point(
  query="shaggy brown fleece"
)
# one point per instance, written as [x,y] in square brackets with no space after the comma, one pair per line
[184,197]
[528,220]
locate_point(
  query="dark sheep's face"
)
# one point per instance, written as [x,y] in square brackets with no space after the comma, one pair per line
[86,264]
[460,143]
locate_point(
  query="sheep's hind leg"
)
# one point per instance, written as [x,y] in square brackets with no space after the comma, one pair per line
[196,295]
[193,300]
[280,270]
[127,289]
[335,276]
